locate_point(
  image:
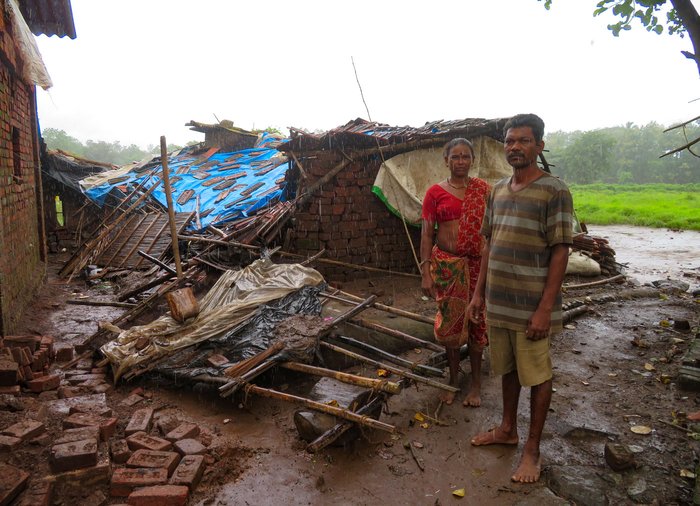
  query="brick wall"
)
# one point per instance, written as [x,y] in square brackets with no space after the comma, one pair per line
[347,219]
[21,268]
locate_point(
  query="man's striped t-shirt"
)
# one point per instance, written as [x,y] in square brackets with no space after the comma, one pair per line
[522,227]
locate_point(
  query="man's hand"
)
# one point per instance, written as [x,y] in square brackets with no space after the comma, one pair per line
[539,324]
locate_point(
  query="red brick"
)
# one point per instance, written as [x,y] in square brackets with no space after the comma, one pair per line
[44,383]
[125,480]
[159,495]
[101,388]
[80,378]
[47,342]
[77,420]
[12,482]
[91,408]
[217,360]
[9,374]
[64,352]
[67,392]
[27,372]
[131,400]
[189,472]
[70,435]
[183,431]
[73,455]
[141,440]
[140,421]
[24,430]
[9,443]
[39,493]
[189,447]
[119,451]
[155,459]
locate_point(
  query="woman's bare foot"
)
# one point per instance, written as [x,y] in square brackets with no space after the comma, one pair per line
[529,469]
[494,437]
[473,398]
[447,397]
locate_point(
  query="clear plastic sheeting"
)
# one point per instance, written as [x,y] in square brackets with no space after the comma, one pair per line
[32,68]
[232,300]
[250,338]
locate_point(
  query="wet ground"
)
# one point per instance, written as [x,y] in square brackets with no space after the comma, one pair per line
[614,368]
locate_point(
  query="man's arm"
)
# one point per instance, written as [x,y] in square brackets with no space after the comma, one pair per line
[540,322]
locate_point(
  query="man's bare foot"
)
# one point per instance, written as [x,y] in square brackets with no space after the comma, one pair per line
[447,397]
[529,469]
[473,398]
[494,437]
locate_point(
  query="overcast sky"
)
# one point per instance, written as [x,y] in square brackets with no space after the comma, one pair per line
[141,69]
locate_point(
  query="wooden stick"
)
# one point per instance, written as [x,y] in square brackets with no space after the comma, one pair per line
[595,283]
[171,209]
[390,368]
[246,365]
[312,259]
[77,359]
[393,310]
[339,429]
[352,266]
[232,386]
[352,379]
[154,282]
[323,408]
[352,312]
[396,333]
[218,242]
[414,366]
[87,302]
[157,262]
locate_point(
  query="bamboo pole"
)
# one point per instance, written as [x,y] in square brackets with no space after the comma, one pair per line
[396,333]
[389,309]
[619,277]
[157,262]
[87,302]
[171,209]
[414,366]
[390,368]
[135,291]
[352,379]
[323,408]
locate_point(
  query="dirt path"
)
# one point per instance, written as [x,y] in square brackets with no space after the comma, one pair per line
[603,387]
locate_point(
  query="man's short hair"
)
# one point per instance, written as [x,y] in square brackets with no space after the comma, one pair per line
[526,120]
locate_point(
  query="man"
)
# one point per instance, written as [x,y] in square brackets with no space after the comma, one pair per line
[527,227]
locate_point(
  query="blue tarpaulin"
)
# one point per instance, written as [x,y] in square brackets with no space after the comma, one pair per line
[225,186]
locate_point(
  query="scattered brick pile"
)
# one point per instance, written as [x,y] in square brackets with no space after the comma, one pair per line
[94,449]
[26,360]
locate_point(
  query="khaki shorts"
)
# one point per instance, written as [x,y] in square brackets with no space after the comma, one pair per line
[512,351]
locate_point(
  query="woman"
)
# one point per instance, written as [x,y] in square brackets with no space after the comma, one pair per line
[450,251]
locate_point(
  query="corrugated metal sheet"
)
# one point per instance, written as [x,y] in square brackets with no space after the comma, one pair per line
[49,17]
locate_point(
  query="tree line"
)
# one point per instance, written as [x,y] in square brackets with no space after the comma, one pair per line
[101,151]
[624,154]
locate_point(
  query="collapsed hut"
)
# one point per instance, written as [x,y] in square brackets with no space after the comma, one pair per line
[67,212]
[347,201]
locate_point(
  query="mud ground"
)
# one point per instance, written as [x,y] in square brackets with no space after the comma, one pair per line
[614,368]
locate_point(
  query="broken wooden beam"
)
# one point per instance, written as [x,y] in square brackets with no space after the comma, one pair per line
[352,379]
[88,302]
[400,372]
[381,307]
[414,366]
[415,341]
[324,408]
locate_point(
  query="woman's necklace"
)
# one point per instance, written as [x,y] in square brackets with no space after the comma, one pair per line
[455,187]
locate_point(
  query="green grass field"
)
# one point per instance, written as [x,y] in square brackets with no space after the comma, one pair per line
[651,205]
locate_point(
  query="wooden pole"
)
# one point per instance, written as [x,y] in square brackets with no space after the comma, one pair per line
[157,262]
[396,333]
[414,366]
[388,309]
[390,368]
[324,408]
[352,379]
[87,302]
[169,200]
